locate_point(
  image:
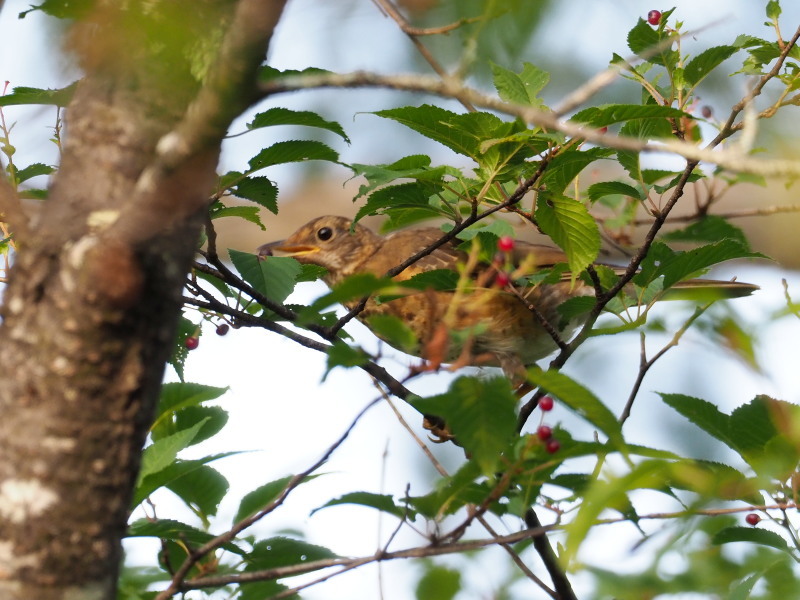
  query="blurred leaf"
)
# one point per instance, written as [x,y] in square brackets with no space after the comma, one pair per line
[752,535]
[285,116]
[382,502]
[703,414]
[610,188]
[393,331]
[480,414]
[570,225]
[693,262]
[259,590]
[29,95]
[710,228]
[341,354]
[168,529]
[33,170]
[248,213]
[581,401]
[438,583]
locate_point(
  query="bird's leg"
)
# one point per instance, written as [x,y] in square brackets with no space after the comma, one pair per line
[440,433]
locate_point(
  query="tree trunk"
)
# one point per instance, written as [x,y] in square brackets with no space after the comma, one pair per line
[90,311]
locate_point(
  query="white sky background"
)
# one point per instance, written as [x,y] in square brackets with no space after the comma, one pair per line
[279,408]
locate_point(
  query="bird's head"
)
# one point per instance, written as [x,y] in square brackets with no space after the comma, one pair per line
[328,242]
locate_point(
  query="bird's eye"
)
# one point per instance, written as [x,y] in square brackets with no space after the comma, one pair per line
[325,233]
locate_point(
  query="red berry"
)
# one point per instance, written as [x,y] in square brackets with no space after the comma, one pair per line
[654,17]
[502,279]
[544,432]
[752,519]
[546,403]
[505,244]
[552,446]
[603,130]
[192,342]
[222,328]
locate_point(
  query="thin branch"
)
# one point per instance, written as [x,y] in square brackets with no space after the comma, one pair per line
[391,10]
[549,558]
[729,159]
[177,582]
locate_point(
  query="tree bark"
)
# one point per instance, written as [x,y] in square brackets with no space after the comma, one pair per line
[90,310]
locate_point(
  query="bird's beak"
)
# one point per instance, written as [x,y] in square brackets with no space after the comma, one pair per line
[281,248]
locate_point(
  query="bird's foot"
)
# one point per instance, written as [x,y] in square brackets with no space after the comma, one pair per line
[440,433]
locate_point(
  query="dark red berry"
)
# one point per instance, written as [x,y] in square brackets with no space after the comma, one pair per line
[654,17]
[706,111]
[552,446]
[502,279]
[222,328]
[505,244]
[192,342]
[752,519]
[546,403]
[544,432]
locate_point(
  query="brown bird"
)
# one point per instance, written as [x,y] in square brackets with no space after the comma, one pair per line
[486,320]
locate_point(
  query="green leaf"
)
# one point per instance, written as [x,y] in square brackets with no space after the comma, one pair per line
[248,213]
[694,262]
[439,583]
[400,197]
[703,414]
[416,166]
[480,414]
[292,151]
[260,497]
[752,535]
[202,489]
[705,62]
[581,401]
[522,88]
[176,470]
[282,551]
[274,277]
[341,354]
[773,9]
[214,417]
[710,228]
[284,116]
[29,95]
[168,529]
[259,190]
[162,453]
[382,502]
[566,166]
[176,396]
[609,114]
[571,227]
[612,188]
[643,40]
[393,331]
[32,171]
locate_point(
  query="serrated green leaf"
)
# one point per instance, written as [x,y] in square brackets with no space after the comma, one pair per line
[382,502]
[248,213]
[416,166]
[292,151]
[215,418]
[169,529]
[32,171]
[522,88]
[581,401]
[571,227]
[609,114]
[693,262]
[703,414]
[752,535]
[400,197]
[163,452]
[705,62]
[611,188]
[259,190]
[480,414]
[274,277]
[285,116]
[258,590]
[643,40]
[566,166]
[28,95]
[260,497]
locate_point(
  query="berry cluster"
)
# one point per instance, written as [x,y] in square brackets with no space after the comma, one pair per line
[505,245]
[545,432]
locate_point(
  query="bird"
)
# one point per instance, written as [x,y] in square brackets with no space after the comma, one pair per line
[488,320]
